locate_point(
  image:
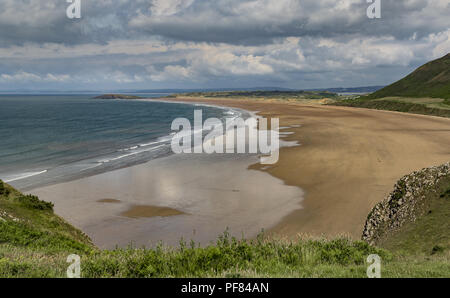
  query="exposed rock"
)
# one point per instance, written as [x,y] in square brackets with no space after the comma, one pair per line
[404,204]
[5,216]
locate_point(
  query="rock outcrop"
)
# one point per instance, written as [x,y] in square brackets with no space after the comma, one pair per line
[117,96]
[405,204]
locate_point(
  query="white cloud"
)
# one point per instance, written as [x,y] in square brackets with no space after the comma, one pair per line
[169,7]
[31,77]
[440,43]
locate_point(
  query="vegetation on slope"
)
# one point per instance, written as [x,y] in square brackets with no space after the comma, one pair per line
[429,80]
[35,243]
[26,221]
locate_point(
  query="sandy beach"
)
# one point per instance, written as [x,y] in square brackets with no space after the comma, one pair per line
[347,161]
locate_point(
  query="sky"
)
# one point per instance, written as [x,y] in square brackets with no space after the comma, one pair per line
[154,44]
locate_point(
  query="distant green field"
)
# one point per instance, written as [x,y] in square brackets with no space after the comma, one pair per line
[276,95]
[424,106]
[433,103]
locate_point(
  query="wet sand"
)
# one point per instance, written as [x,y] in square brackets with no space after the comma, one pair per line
[349,160]
[110,201]
[195,196]
[139,211]
[142,211]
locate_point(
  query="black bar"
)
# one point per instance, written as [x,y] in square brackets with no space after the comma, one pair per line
[223,287]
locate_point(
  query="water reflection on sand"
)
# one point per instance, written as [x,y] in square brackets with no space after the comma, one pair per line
[210,193]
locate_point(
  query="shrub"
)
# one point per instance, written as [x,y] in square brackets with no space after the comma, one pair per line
[446,194]
[3,190]
[33,202]
[437,249]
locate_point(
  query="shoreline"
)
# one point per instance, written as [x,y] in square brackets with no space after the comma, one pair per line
[341,185]
[133,154]
[127,213]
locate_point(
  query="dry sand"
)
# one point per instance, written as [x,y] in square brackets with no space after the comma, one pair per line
[349,159]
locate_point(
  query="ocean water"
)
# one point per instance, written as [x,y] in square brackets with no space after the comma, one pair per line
[46,139]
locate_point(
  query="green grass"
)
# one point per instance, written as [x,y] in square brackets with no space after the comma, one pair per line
[227,258]
[230,257]
[34,242]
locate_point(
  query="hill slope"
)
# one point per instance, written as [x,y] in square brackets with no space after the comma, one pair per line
[27,222]
[429,80]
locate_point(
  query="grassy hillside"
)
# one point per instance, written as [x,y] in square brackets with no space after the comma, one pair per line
[34,242]
[429,80]
[28,222]
[426,91]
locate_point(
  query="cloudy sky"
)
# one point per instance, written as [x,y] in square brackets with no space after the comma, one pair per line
[122,44]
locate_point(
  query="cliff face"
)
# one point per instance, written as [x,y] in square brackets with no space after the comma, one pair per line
[405,204]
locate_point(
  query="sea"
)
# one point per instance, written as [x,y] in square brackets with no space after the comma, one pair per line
[48,139]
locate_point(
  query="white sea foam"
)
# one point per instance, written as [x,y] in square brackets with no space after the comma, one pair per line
[21,176]
[103,161]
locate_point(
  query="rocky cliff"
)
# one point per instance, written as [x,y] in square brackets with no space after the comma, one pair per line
[406,203]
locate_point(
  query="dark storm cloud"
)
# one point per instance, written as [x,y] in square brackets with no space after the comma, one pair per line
[40,21]
[230,21]
[259,22]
